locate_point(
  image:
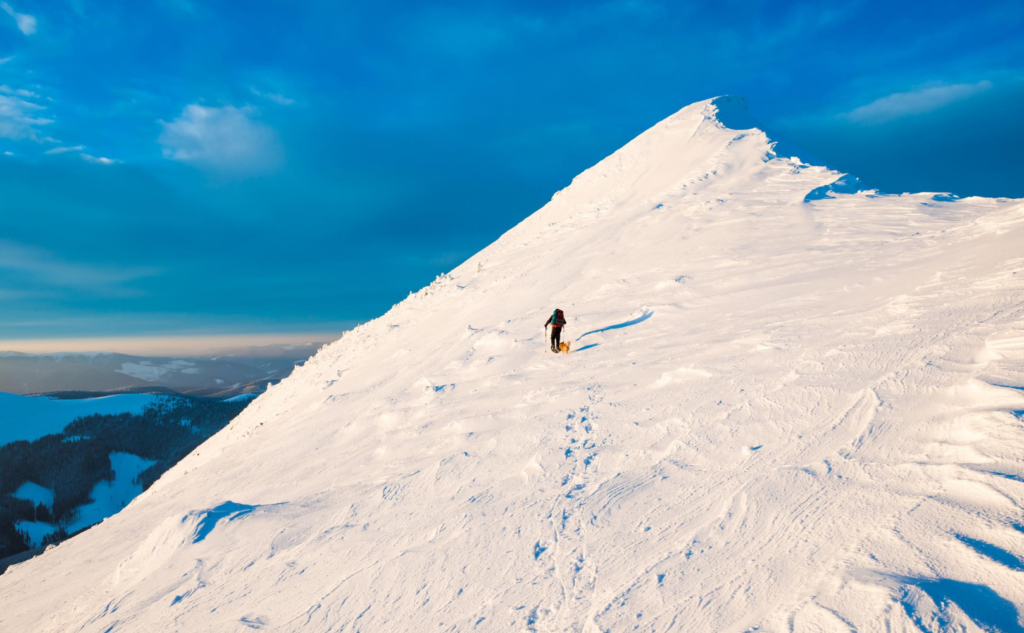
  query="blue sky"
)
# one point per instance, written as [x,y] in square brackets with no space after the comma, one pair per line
[180,168]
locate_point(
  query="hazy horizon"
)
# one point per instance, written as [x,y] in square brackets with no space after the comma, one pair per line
[167,345]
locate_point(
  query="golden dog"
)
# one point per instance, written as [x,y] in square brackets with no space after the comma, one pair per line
[564,347]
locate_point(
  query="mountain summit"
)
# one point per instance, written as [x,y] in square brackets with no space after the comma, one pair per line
[786,408]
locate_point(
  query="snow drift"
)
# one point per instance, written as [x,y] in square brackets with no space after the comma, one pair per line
[783,415]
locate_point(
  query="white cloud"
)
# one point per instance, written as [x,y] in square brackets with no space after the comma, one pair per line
[26,23]
[99,160]
[919,101]
[277,98]
[226,139]
[61,150]
[20,118]
[4,60]
[20,92]
[89,158]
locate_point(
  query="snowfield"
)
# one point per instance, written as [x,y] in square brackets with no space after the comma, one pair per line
[32,417]
[779,415]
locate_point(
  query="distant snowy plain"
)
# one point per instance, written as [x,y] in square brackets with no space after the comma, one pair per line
[31,417]
[785,412]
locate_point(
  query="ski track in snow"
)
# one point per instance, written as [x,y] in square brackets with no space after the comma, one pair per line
[783,416]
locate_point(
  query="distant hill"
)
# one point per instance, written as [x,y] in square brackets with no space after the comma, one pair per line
[221,375]
[28,418]
[68,463]
[103,426]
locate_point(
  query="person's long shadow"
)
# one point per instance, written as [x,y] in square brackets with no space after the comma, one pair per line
[640,319]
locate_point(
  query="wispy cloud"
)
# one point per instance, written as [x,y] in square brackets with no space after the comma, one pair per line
[37,266]
[99,160]
[4,60]
[63,150]
[277,98]
[19,116]
[227,139]
[26,23]
[20,92]
[920,101]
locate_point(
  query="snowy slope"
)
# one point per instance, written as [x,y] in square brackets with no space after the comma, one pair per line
[803,421]
[31,417]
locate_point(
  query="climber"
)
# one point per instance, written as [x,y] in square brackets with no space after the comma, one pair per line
[557,321]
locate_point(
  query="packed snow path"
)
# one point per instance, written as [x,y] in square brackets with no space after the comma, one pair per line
[782,415]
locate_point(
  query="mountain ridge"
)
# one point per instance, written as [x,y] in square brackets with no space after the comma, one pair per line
[229,372]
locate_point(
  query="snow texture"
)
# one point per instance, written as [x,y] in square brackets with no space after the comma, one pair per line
[782,416]
[31,417]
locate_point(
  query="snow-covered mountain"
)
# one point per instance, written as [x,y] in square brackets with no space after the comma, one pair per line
[784,411]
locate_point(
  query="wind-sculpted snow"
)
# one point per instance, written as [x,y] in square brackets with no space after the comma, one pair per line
[783,416]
